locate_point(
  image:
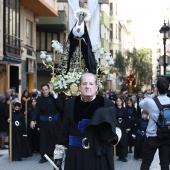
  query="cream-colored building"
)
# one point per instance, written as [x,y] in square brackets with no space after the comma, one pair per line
[19,40]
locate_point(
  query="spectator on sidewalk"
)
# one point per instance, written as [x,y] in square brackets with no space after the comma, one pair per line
[152,141]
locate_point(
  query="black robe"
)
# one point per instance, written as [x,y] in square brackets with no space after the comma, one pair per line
[139,140]
[100,154]
[133,118]
[122,147]
[33,134]
[48,106]
[20,145]
[3,117]
[70,56]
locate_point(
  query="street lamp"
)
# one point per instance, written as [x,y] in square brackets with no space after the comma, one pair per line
[164,30]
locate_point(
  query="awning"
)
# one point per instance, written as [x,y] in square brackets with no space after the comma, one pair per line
[39,7]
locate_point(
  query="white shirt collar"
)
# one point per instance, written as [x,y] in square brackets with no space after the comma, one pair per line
[87,101]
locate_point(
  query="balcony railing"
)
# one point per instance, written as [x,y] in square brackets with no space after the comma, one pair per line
[12,46]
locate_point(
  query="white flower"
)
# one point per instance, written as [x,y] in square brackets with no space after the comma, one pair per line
[61,51]
[43,54]
[107,56]
[111,62]
[101,51]
[49,58]
[54,43]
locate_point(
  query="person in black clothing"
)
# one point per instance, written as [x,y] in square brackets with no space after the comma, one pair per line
[33,134]
[140,134]
[123,123]
[112,96]
[20,145]
[140,96]
[3,121]
[88,129]
[49,107]
[132,115]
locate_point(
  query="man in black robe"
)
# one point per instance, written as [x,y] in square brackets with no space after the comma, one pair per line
[88,130]
[78,50]
[49,107]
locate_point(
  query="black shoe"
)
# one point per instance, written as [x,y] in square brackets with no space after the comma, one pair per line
[130,151]
[119,159]
[42,160]
[19,159]
[124,160]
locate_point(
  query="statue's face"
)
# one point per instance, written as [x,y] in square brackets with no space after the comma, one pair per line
[81,18]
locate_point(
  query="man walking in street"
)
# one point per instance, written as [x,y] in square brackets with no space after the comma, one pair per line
[49,107]
[152,141]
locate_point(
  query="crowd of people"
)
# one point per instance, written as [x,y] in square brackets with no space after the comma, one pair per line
[132,120]
[52,120]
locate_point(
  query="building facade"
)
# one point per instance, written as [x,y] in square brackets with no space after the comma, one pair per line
[18,42]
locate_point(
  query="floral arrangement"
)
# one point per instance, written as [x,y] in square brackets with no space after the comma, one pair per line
[62,82]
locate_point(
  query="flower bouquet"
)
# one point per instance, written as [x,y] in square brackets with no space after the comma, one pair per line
[63,82]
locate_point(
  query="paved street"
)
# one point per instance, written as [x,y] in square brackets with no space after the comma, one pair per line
[32,163]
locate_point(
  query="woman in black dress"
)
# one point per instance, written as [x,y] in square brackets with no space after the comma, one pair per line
[123,123]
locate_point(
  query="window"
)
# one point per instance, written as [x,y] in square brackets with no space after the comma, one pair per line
[43,40]
[111,51]
[111,9]
[116,10]
[12,11]
[29,32]
[116,31]
[111,32]
[11,29]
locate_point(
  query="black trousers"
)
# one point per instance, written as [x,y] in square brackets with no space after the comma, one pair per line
[151,144]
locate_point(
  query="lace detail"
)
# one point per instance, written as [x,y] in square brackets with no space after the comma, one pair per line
[74,61]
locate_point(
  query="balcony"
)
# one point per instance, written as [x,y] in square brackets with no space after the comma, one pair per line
[104,19]
[12,48]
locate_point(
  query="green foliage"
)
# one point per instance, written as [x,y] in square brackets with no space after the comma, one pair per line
[140,61]
[120,63]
